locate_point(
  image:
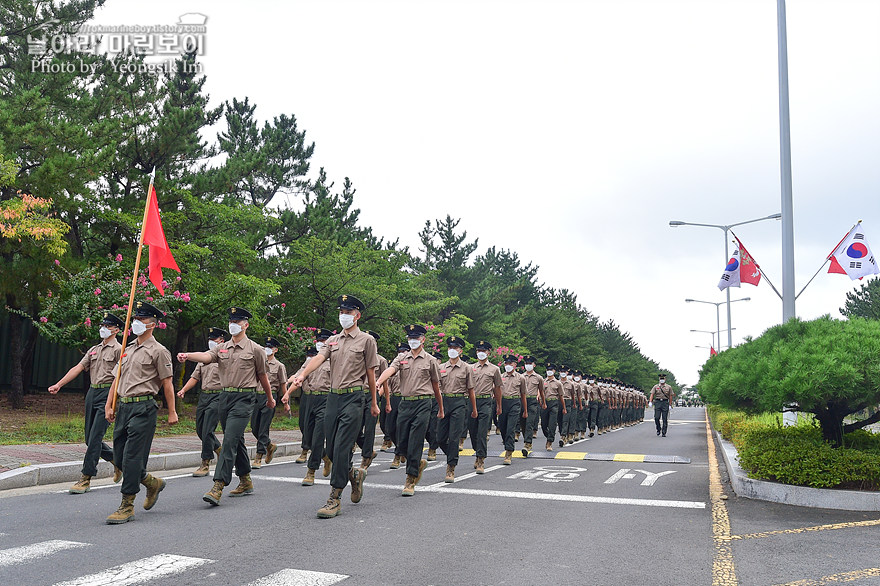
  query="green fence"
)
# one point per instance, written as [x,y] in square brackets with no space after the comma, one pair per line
[51,360]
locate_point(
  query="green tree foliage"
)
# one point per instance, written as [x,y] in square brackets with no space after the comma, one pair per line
[827,367]
[865,302]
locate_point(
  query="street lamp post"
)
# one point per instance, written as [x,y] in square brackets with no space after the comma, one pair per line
[714,345]
[718,305]
[725,229]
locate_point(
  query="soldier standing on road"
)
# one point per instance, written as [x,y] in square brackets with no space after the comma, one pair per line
[431,436]
[391,414]
[243,365]
[353,356]
[581,402]
[568,403]
[553,402]
[367,437]
[513,405]
[593,406]
[457,386]
[208,408]
[145,369]
[99,361]
[534,402]
[261,418]
[487,390]
[661,395]
[419,381]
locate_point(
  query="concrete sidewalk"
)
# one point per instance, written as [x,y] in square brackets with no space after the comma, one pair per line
[33,464]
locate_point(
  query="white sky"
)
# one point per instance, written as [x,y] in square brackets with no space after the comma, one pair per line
[573,131]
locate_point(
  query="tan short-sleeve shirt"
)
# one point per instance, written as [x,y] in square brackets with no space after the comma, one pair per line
[567,389]
[144,367]
[319,380]
[455,379]
[208,375]
[663,391]
[416,373]
[100,361]
[277,374]
[486,377]
[512,385]
[394,382]
[350,355]
[241,363]
[553,389]
[534,382]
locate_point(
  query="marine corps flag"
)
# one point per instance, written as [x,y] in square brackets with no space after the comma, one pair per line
[741,268]
[154,236]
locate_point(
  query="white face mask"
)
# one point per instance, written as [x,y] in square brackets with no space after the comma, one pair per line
[508,368]
[346,320]
[452,353]
[662,381]
[234,328]
[530,367]
[551,372]
[138,327]
[212,344]
[268,351]
[319,345]
[592,382]
[104,333]
[577,379]
[563,375]
[414,343]
[482,356]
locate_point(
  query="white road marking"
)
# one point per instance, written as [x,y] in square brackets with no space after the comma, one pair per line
[117,486]
[464,477]
[650,477]
[572,498]
[27,553]
[299,578]
[139,571]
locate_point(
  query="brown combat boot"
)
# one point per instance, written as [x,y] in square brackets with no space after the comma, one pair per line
[549,446]
[516,437]
[409,487]
[303,457]
[81,486]
[450,473]
[117,473]
[528,446]
[203,469]
[333,505]
[395,463]
[356,477]
[479,465]
[309,480]
[386,445]
[245,486]
[432,455]
[328,465]
[213,495]
[422,465]
[257,462]
[154,487]
[365,462]
[460,443]
[124,513]
[507,458]
[270,452]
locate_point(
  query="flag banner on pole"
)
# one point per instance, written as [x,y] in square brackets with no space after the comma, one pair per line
[730,276]
[154,236]
[712,351]
[749,270]
[852,256]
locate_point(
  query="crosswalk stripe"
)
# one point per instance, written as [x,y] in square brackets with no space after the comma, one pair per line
[139,571]
[299,578]
[27,553]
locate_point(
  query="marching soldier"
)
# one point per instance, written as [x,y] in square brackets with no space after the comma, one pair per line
[261,418]
[592,418]
[513,404]
[661,395]
[367,437]
[145,369]
[391,415]
[581,401]
[432,436]
[314,391]
[534,401]
[99,361]
[487,391]
[353,355]
[419,378]
[208,408]
[553,403]
[568,403]
[457,386]
[243,365]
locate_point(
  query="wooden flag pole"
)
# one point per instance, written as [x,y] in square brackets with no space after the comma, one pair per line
[137,267]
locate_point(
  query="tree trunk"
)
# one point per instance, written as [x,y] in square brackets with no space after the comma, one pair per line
[831,422]
[27,358]
[16,393]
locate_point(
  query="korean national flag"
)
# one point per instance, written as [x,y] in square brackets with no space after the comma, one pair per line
[730,276]
[854,255]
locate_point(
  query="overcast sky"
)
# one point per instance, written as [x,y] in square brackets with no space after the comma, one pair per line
[573,132]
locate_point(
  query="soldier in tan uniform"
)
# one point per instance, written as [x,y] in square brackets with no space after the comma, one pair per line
[390,416]
[661,395]
[487,389]
[457,386]
[208,409]
[593,406]
[419,381]
[145,369]
[513,405]
[98,361]
[568,402]
[261,418]
[352,355]
[553,403]
[534,402]
[367,436]
[243,366]
[583,406]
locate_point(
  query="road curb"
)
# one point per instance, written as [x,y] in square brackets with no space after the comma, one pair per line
[55,472]
[801,496]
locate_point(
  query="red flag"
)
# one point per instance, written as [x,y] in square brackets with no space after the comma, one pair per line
[154,236]
[712,352]
[749,271]
[835,266]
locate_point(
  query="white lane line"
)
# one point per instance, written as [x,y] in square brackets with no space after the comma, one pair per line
[27,553]
[299,578]
[326,482]
[572,498]
[117,486]
[435,466]
[464,476]
[139,571]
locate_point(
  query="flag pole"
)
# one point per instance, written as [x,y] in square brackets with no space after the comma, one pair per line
[137,267]
[827,258]
[763,274]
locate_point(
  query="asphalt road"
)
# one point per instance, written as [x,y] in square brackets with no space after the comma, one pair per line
[562,520]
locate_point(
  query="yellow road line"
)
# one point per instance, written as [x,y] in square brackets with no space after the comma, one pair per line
[837,578]
[723,570]
[629,457]
[828,527]
[570,456]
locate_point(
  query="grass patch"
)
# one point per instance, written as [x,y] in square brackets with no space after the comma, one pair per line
[798,455]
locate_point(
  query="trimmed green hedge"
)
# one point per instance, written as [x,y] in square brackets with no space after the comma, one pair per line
[797,455]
